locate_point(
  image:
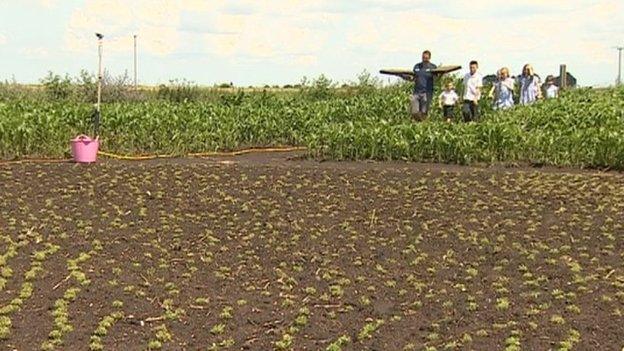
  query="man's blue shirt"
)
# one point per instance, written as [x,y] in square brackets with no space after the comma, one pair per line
[423,82]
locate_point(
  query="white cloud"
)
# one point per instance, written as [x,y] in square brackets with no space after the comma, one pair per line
[154,21]
[257,36]
[48,3]
[271,29]
[306,60]
[34,52]
[581,32]
[299,32]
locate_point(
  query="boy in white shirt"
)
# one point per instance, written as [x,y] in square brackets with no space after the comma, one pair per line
[448,100]
[473,82]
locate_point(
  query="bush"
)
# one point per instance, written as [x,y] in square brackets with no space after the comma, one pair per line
[321,88]
[57,87]
[84,87]
[178,91]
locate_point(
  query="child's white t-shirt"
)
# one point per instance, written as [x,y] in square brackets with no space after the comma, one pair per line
[551,91]
[449,98]
[472,83]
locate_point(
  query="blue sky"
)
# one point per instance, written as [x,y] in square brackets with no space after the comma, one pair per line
[279,42]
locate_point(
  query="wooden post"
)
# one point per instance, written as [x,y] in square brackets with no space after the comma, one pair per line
[563,77]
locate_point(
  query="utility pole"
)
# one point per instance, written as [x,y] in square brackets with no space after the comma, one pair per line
[100,76]
[618,82]
[135,62]
[96,115]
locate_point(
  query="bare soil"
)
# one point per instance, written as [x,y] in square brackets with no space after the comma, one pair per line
[264,252]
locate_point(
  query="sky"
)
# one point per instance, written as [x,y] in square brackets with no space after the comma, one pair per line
[250,42]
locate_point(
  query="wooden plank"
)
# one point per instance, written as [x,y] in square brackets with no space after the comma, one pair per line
[446,69]
[401,72]
[396,72]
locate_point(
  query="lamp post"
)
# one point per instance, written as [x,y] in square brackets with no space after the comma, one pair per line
[618,82]
[96,121]
[135,62]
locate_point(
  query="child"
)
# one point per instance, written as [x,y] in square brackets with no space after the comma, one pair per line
[552,90]
[473,82]
[448,100]
[502,91]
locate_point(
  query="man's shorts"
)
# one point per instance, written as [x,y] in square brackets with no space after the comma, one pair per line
[419,103]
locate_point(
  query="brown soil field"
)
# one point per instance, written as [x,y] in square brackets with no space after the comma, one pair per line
[269,253]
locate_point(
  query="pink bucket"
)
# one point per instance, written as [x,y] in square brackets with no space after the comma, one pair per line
[85,149]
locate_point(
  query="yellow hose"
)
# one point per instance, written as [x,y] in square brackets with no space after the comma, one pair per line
[248,151]
[133,158]
[151,157]
[205,154]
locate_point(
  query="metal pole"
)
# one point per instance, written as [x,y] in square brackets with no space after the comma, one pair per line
[99,91]
[96,114]
[135,62]
[618,82]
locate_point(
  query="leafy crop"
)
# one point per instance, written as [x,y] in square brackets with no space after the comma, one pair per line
[582,128]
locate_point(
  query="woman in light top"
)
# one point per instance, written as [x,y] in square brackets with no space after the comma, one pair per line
[530,84]
[502,91]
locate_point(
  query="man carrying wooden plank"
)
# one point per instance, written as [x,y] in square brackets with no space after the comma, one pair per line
[422,75]
[420,101]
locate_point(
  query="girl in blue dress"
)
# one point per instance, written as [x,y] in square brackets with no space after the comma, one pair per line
[502,91]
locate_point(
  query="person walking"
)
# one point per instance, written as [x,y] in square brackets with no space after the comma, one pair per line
[420,100]
[552,90]
[502,91]
[530,86]
[473,82]
[448,100]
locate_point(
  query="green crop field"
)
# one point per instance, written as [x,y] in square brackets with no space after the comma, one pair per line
[584,128]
